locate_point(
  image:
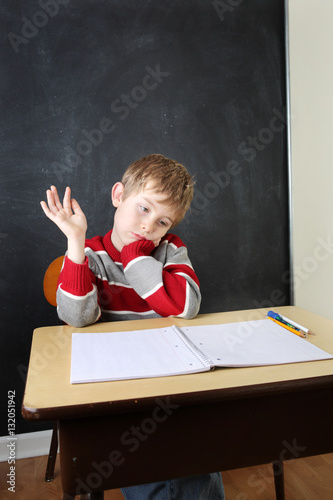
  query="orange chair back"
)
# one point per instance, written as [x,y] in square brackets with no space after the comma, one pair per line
[51,280]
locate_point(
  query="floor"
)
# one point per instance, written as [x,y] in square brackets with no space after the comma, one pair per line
[305,479]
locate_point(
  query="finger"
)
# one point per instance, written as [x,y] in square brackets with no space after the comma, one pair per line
[67,198]
[76,207]
[44,207]
[51,201]
[46,210]
[57,201]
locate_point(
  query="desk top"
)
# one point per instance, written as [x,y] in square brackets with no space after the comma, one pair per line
[49,394]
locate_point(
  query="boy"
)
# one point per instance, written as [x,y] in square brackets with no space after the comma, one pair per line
[137,270]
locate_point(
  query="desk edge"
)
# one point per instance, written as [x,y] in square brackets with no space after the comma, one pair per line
[187,399]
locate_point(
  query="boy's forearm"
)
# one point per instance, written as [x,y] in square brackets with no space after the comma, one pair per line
[77,299]
[76,249]
[169,286]
[168,293]
[78,313]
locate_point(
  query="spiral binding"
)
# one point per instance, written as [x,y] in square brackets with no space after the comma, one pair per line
[202,358]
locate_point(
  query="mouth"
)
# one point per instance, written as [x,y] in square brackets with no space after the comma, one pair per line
[138,236]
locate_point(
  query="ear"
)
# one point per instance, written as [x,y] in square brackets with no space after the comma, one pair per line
[116,194]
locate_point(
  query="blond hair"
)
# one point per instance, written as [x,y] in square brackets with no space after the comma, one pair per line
[165,176]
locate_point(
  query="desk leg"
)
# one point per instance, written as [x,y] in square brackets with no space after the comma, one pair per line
[279,480]
[49,474]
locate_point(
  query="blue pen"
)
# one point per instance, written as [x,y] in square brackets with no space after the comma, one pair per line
[276,316]
[293,323]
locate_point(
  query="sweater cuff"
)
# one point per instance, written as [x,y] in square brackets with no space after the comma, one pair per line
[75,278]
[137,249]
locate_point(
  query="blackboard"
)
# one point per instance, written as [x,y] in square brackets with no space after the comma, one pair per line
[87,87]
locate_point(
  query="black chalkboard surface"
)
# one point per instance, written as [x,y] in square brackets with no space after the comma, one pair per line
[87,87]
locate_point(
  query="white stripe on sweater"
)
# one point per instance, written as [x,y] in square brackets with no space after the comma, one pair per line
[77,297]
[187,298]
[143,313]
[177,264]
[153,290]
[134,261]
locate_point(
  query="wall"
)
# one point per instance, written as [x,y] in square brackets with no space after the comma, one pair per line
[91,86]
[311,84]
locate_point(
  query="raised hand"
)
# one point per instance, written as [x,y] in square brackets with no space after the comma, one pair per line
[70,219]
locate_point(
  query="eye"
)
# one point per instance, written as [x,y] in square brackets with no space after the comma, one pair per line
[163,223]
[144,209]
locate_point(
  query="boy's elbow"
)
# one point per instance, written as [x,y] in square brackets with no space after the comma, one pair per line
[187,316]
[191,313]
[77,316]
[76,322]
[193,305]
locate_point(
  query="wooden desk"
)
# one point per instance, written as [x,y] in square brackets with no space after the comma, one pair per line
[115,434]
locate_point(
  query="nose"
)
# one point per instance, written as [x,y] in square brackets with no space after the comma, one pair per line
[146,226]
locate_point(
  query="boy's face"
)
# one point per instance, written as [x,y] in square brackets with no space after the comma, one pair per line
[143,215]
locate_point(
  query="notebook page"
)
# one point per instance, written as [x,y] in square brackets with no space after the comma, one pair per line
[108,356]
[252,343]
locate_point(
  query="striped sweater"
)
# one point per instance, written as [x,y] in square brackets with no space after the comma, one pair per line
[141,281]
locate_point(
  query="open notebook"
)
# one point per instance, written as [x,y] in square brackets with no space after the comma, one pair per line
[98,357]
